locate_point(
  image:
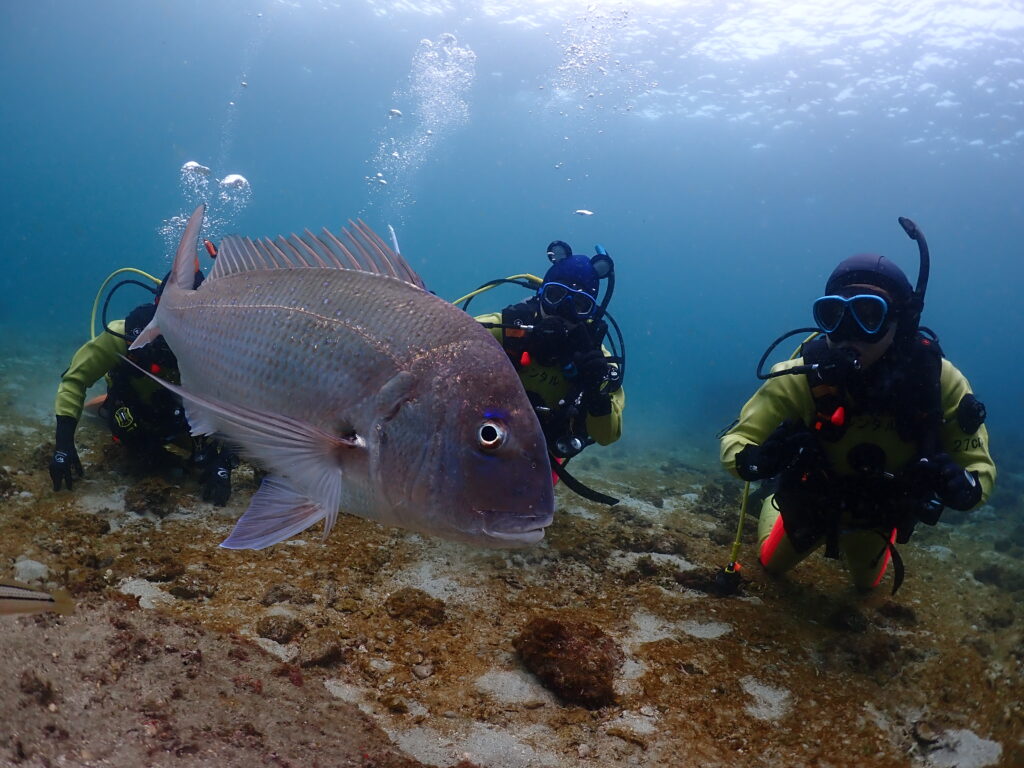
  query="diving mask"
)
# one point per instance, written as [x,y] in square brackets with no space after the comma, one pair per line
[868,311]
[579,303]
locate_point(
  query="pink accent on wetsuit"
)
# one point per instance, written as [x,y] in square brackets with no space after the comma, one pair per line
[772,542]
[885,559]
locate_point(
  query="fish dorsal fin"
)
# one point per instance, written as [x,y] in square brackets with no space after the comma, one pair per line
[357,247]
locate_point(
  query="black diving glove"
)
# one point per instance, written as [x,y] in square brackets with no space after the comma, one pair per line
[592,368]
[65,456]
[216,477]
[790,445]
[958,488]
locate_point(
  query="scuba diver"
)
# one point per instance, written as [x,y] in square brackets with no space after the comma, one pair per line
[866,432]
[142,415]
[555,341]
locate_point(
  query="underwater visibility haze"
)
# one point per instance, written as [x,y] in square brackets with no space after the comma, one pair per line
[731,156]
[727,156]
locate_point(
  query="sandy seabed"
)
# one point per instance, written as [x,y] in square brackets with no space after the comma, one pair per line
[181,653]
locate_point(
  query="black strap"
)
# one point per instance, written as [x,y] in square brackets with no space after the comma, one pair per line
[898,570]
[576,486]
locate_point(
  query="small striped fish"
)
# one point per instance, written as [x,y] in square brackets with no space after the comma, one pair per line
[18,598]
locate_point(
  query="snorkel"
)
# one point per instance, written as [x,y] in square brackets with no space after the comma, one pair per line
[605,268]
[916,304]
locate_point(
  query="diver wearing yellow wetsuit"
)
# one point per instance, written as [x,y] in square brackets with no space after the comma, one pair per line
[142,415]
[872,431]
[554,340]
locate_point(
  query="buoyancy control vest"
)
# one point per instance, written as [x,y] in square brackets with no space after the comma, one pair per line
[908,385]
[817,502]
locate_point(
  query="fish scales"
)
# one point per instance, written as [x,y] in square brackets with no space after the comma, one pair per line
[355,390]
[249,335]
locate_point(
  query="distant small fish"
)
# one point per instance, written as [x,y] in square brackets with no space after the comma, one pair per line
[18,598]
[394,112]
[584,212]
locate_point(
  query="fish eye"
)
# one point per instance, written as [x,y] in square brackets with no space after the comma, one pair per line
[491,435]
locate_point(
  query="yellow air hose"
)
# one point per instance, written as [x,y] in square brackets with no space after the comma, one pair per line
[484,288]
[99,293]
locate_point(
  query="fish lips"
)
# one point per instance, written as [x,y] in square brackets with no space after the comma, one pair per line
[508,530]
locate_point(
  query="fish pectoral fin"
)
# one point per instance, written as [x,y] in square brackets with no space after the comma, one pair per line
[278,511]
[284,445]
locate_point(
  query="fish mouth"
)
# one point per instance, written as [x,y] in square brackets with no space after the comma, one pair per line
[511,529]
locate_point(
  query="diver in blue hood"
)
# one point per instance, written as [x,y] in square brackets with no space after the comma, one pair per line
[556,339]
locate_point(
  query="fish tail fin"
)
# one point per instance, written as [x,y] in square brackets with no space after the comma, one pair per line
[62,602]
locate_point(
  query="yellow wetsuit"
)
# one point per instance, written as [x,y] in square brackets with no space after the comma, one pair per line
[549,385]
[789,397]
[92,361]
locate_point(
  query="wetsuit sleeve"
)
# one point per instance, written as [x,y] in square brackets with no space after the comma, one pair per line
[92,361]
[493,318]
[969,451]
[778,399]
[607,429]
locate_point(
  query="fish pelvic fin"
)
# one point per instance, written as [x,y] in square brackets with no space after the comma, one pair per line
[357,247]
[278,512]
[310,458]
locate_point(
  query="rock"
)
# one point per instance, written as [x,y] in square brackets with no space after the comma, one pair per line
[574,659]
[38,688]
[1000,617]
[323,648]
[280,629]
[926,732]
[903,614]
[1000,576]
[286,593]
[7,486]
[848,619]
[86,525]
[712,581]
[27,571]
[151,495]
[346,605]
[164,569]
[415,605]
[191,587]
[423,671]
[395,703]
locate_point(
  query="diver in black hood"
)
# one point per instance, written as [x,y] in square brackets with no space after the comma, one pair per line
[865,434]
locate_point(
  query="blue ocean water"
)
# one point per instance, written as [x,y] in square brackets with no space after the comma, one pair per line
[730,154]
